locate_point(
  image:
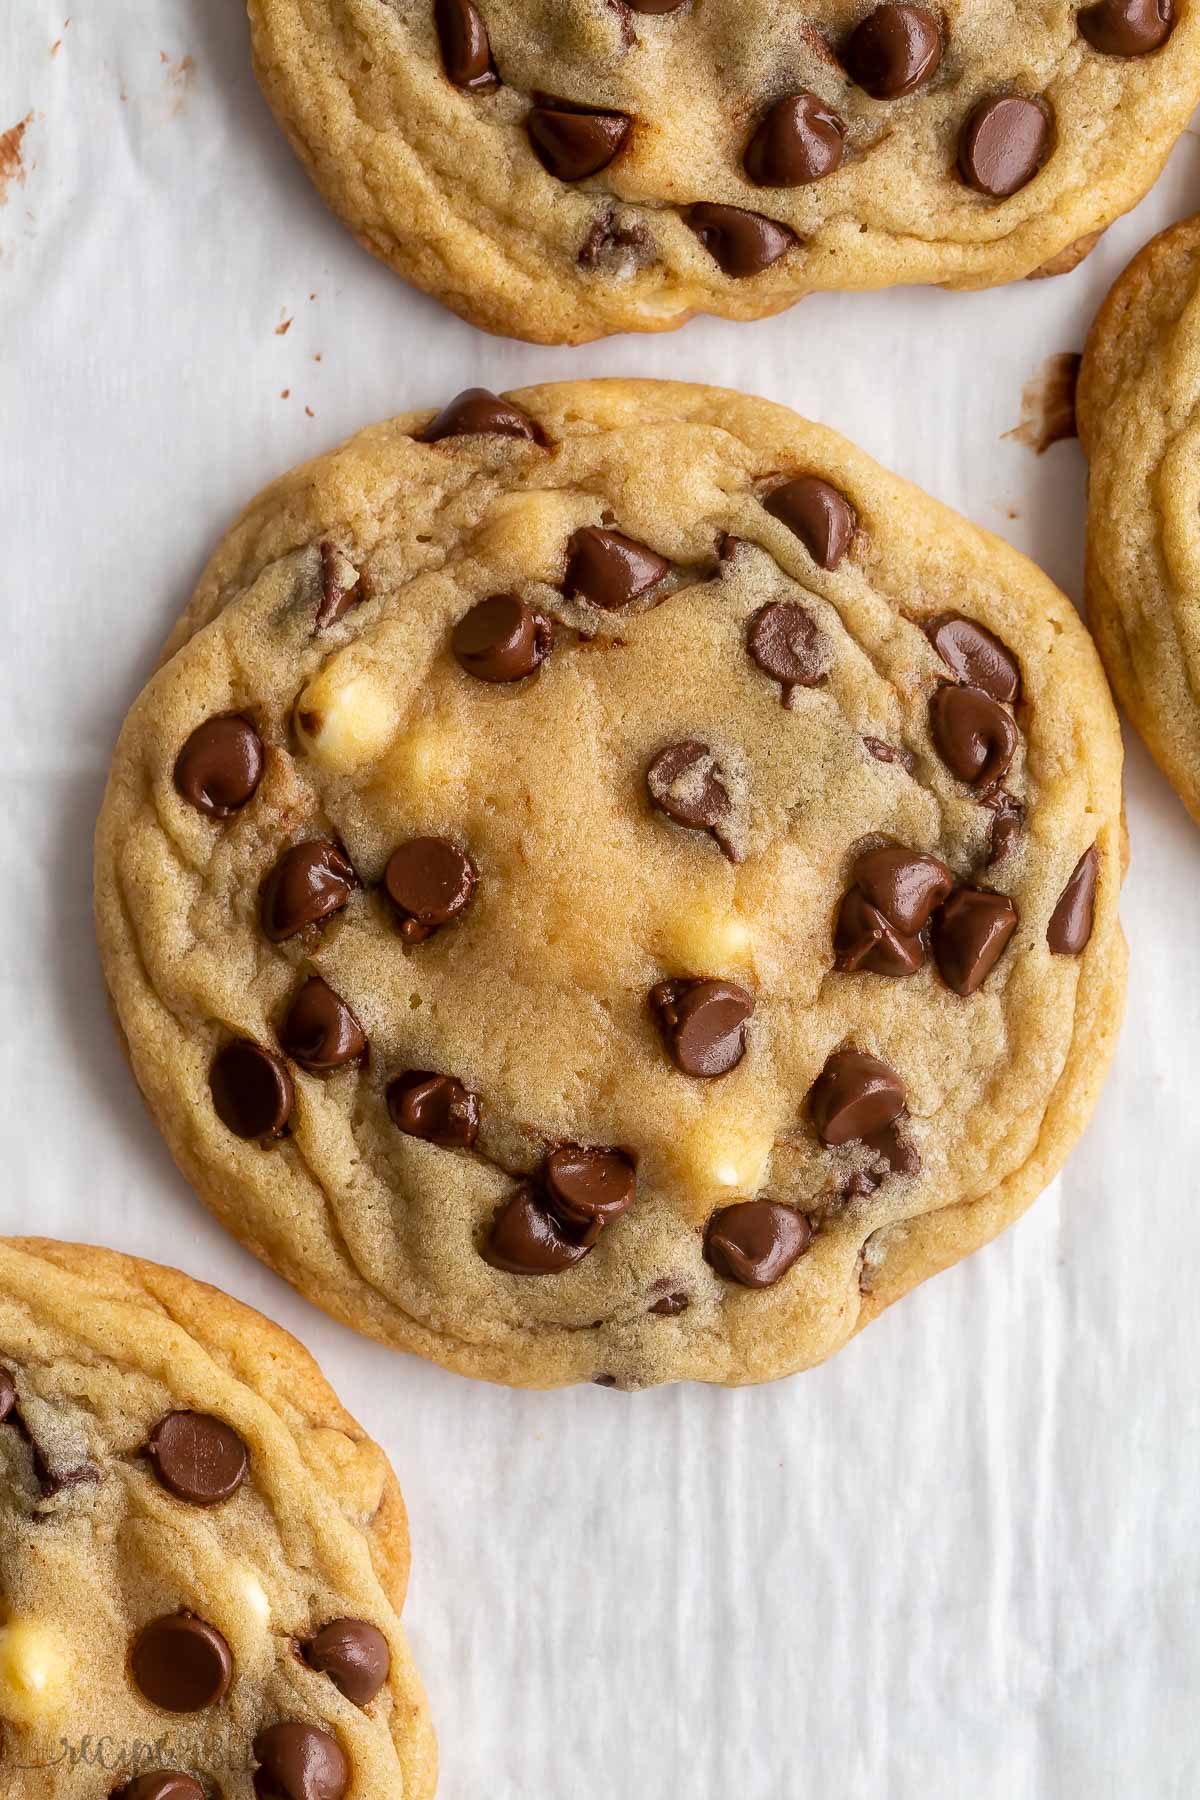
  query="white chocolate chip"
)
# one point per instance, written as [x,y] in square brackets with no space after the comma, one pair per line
[345,718]
[720,1154]
[254,1595]
[33,1671]
[522,535]
[710,938]
[421,761]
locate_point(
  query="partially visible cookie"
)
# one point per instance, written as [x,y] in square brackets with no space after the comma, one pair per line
[202,1556]
[1138,405]
[561,169]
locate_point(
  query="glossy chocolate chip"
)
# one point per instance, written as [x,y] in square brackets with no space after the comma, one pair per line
[686,782]
[906,885]
[609,569]
[970,935]
[354,1655]
[463,38]
[866,940]
[502,639]
[220,766]
[894,50]
[437,1108]
[1003,144]
[341,587]
[300,1762]
[741,243]
[251,1090]
[756,1242]
[573,145]
[319,1030]
[818,514]
[477,412]
[197,1458]
[800,140]
[787,643]
[703,1024]
[1070,924]
[976,656]
[669,1306]
[8,1395]
[972,734]
[429,882]
[181,1664]
[526,1238]
[161,1784]
[1008,823]
[854,1095]
[310,882]
[1128,27]
[589,1187]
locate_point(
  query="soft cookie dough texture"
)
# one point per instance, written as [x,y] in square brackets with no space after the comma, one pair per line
[1139,420]
[667,568]
[185,1512]
[561,169]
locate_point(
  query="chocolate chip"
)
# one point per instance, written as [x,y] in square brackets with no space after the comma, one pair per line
[220,766]
[819,515]
[526,1238]
[341,587]
[616,243]
[888,753]
[320,1032]
[787,643]
[1007,825]
[163,1784]
[800,140]
[1128,27]
[572,145]
[310,882]
[181,1664]
[354,1655]
[300,1762]
[892,1151]
[970,934]
[8,1395]
[654,6]
[604,1381]
[587,1188]
[703,1024]
[1004,143]
[251,1090]
[756,1242]
[670,1306]
[429,882]
[854,1094]
[463,38]
[976,656]
[609,569]
[437,1108]
[972,734]
[864,939]
[741,243]
[502,639]
[197,1458]
[1070,924]
[906,885]
[477,412]
[894,50]
[686,781]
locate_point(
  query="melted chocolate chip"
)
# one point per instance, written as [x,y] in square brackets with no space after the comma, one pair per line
[888,753]
[854,1095]
[466,53]
[1007,826]
[800,140]
[1127,27]
[310,882]
[341,588]
[906,885]
[8,1395]
[819,515]
[686,782]
[703,1024]
[614,243]
[572,145]
[756,1242]
[197,1458]
[970,935]
[972,734]
[894,50]
[220,766]
[1004,143]
[526,1238]
[976,656]
[609,569]
[502,639]
[181,1664]
[477,412]
[354,1655]
[319,1031]
[437,1108]
[741,243]
[787,643]
[865,939]
[162,1784]
[1070,924]
[300,1762]
[670,1306]
[429,881]
[587,1188]
[251,1090]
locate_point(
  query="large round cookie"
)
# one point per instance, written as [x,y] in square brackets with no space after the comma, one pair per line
[560,169]
[1139,420]
[203,1556]
[570,817]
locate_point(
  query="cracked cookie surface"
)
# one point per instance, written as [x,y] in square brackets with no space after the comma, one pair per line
[561,171]
[653,896]
[204,1556]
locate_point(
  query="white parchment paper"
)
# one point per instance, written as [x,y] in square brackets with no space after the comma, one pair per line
[962,1559]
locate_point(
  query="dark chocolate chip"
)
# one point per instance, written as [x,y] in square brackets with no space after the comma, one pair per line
[1070,924]
[888,753]
[756,1241]
[905,885]
[1128,27]
[300,1762]
[310,882]
[526,1238]
[251,1090]
[354,1655]
[589,1187]
[162,1784]
[819,515]
[502,639]
[220,766]
[787,643]
[703,1024]
[616,243]
[319,1031]
[741,243]
[197,1458]
[609,569]
[865,939]
[466,53]
[573,145]
[894,50]
[972,734]
[977,657]
[970,934]
[854,1094]
[8,1394]
[654,6]
[477,412]
[341,588]
[894,1152]
[670,1306]
[687,782]
[800,140]
[437,1108]
[1004,143]
[181,1664]
[1007,826]
[429,882]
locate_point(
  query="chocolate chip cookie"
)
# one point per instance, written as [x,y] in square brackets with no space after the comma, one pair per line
[1138,406]
[561,169]
[204,1557]
[610,884]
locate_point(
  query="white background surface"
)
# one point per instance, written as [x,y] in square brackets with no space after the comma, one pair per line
[962,1559]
